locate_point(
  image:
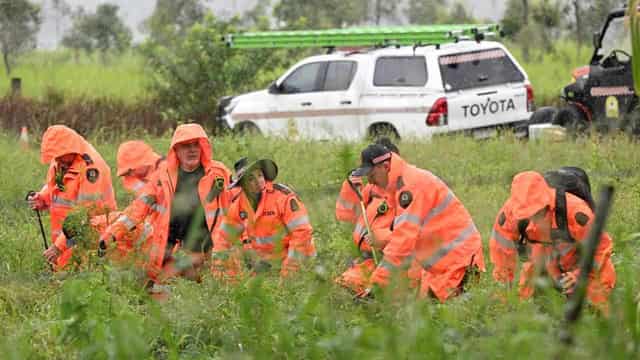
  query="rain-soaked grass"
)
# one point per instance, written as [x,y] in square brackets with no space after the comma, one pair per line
[47,72]
[106,315]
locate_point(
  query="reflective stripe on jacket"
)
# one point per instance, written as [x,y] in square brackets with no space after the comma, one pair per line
[432,226]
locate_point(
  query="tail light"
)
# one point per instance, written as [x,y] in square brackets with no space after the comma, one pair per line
[439,114]
[530,99]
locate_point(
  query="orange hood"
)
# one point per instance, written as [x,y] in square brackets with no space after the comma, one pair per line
[529,194]
[187,132]
[60,140]
[135,154]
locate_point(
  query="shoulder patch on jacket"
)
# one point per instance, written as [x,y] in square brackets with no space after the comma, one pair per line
[282,188]
[502,219]
[294,205]
[383,208]
[93,175]
[582,218]
[87,159]
[405,199]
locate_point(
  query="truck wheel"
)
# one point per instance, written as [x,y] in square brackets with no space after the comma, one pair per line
[383,130]
[246,129]
[571,118]
[543,115]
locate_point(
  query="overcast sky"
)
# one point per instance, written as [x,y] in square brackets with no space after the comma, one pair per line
[135,12]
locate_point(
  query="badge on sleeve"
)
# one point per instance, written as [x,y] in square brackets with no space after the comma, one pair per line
[502,219]
[219,183]
[383,208]
[294,205]
[405,199]
[92,175]
[243,215]
[582,218]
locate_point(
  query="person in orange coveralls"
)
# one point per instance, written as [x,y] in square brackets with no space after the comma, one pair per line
[184,202]
[380,216]
[77,176]
[272,217]
[551,224]
[430,226]
[136,162]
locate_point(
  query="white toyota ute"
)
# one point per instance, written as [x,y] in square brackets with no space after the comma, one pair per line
[471,87]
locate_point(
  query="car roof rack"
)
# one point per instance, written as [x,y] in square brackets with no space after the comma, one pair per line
[368,36]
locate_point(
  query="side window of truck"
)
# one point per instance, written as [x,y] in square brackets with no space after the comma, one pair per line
[339,75]
[400,71]
[303,79]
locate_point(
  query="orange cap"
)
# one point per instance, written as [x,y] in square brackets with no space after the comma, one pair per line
[529,194]
[135,154]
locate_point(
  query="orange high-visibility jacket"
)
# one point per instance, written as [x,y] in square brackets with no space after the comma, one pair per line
[379,213]
[558,258]
[278,229]
[133,155]
[154,204]
[380,216]
[432,226]
[86,183]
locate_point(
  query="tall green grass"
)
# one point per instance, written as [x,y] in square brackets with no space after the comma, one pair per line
[42,72]
[106,315]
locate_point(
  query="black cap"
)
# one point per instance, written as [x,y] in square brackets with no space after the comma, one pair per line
[243,166]
[371,156]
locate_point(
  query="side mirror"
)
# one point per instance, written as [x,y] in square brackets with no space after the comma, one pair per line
[596,40]
[274,88]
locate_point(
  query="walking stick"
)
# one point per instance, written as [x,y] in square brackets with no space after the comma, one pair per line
[44,236]
[576,302]
[363,210]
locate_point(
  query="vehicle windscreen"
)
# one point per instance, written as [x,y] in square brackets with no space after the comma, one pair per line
[478,69]
[616,37]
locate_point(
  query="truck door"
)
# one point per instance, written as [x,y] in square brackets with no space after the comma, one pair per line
[297,100]
[337,107]
[484,88]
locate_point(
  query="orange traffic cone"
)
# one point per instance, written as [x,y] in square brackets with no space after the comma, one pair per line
[24,138]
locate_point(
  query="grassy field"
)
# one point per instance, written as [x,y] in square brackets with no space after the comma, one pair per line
[105,315]
[121,77]
[124,77]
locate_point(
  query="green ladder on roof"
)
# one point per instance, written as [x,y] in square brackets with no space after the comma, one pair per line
[357,37]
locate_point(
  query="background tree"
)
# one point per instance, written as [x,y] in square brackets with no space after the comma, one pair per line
[101,31]
[458,14]
[533,22]
[19,24]
[318,14]
[191,75]
[75,38]
[382,7]
[171,19]
[426,11]
[63,11]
